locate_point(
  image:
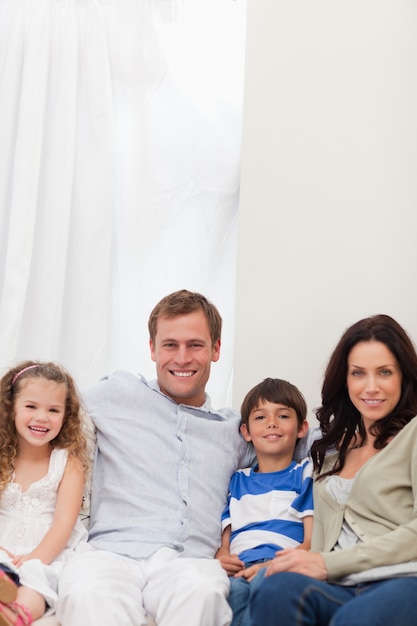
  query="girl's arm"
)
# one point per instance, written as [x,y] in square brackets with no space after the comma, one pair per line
[230,562]
[68,505]
[308,531]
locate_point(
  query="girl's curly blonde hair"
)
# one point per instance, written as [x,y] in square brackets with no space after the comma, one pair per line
[71,436]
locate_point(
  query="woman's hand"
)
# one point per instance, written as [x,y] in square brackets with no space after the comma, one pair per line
[298,561]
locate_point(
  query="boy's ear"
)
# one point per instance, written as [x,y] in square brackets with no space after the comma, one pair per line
[245,432]
[302,431]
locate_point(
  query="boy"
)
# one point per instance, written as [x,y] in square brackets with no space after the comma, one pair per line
[270,505]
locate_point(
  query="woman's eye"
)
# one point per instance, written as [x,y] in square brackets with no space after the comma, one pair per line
[385,372]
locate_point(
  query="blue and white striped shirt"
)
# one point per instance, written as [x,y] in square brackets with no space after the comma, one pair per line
[265,510]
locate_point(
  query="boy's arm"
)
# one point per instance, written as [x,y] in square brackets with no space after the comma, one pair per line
[308,531]
[229,562]
[67,508]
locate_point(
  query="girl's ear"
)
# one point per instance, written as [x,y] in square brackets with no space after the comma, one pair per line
[302,431]
[245,432]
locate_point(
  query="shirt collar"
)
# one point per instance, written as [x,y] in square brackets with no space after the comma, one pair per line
[206,406]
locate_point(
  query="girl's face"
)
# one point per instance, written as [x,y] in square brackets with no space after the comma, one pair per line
[39,410]
[373,380]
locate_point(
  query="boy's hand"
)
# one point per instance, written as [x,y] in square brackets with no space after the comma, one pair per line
[229,562]
[250,572]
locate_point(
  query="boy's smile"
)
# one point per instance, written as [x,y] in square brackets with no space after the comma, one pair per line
[273,430]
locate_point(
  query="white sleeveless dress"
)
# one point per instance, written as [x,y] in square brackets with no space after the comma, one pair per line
[25,518]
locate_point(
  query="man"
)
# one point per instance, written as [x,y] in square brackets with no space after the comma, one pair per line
[161,474]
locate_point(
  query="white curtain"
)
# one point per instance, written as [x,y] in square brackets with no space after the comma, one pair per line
[120,126]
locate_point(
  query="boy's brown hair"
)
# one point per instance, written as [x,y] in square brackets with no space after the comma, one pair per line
[277,391]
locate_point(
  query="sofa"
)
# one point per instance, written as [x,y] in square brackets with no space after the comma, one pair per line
[52,621]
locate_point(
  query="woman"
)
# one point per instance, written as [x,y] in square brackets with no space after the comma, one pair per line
[362,569]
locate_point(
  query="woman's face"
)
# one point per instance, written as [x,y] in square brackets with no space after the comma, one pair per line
[373,380]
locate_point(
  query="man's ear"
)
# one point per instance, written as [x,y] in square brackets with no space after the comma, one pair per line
[151,346]
[302,431]
[216,351]
[245,432]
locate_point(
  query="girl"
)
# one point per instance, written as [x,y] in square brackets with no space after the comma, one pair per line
[362,569]
[43,461]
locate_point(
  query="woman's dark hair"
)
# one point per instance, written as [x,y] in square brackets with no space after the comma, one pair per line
[340,421]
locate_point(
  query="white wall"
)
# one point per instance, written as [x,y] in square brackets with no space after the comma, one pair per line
[328,209]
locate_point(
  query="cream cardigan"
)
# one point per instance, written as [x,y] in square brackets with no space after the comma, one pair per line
[381,509]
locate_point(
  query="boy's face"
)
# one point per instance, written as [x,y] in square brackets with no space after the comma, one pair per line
[273,429]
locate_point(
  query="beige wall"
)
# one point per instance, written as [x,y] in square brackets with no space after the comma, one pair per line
[328,212]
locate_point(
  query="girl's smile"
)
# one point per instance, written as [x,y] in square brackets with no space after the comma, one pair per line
[39,410]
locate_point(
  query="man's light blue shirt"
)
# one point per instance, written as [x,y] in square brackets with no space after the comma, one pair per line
[162,469]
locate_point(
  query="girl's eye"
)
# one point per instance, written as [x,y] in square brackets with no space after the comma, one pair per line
[356,373]
[386,372]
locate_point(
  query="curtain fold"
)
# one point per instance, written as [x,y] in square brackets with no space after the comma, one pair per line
[119,176]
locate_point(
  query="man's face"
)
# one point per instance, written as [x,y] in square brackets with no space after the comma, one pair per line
[183,353]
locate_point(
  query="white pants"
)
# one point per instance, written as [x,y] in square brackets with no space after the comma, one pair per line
[100,588]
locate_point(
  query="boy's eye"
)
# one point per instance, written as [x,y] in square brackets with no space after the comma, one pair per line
[259,417]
